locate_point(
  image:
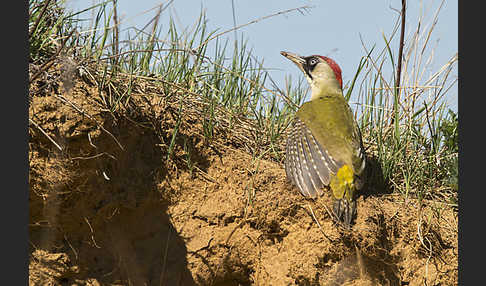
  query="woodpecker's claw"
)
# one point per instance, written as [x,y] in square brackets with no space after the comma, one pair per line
[344,211]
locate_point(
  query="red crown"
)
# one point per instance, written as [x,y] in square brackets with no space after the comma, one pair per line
[335,68]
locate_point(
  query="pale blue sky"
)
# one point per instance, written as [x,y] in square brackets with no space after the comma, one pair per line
[330,28]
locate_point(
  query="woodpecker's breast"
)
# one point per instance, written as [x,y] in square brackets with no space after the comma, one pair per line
[308,164]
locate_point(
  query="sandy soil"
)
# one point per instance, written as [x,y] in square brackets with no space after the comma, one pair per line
[100,215]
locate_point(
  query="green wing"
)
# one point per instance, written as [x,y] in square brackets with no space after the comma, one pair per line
[332,123]
[323,138]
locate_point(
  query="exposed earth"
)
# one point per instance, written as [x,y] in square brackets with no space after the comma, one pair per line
[111,208]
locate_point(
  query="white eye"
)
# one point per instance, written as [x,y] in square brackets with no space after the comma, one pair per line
[313,62]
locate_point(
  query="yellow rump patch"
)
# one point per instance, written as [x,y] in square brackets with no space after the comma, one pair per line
[342,183]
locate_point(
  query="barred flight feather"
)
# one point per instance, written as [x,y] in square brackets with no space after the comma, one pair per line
[307,163]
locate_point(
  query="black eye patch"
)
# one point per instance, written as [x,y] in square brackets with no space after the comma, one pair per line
[310,64]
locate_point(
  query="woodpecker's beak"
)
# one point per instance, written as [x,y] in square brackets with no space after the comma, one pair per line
[296,59]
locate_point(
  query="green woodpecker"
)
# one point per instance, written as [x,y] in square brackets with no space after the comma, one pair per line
[324,148]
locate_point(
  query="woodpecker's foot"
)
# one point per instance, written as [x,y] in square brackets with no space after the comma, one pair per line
[344,211]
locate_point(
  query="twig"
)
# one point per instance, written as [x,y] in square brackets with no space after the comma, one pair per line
[116,33]
[319,225]
[94,156]
[253,22]
[90,142]
[72,248]
[45,134]
[400,49]
[92,233]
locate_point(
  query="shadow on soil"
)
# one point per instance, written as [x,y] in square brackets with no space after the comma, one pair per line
[109,213]
[376,185]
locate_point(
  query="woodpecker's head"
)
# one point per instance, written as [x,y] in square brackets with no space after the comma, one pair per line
[322,73]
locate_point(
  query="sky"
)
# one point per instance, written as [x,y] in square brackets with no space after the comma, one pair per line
[329,28]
